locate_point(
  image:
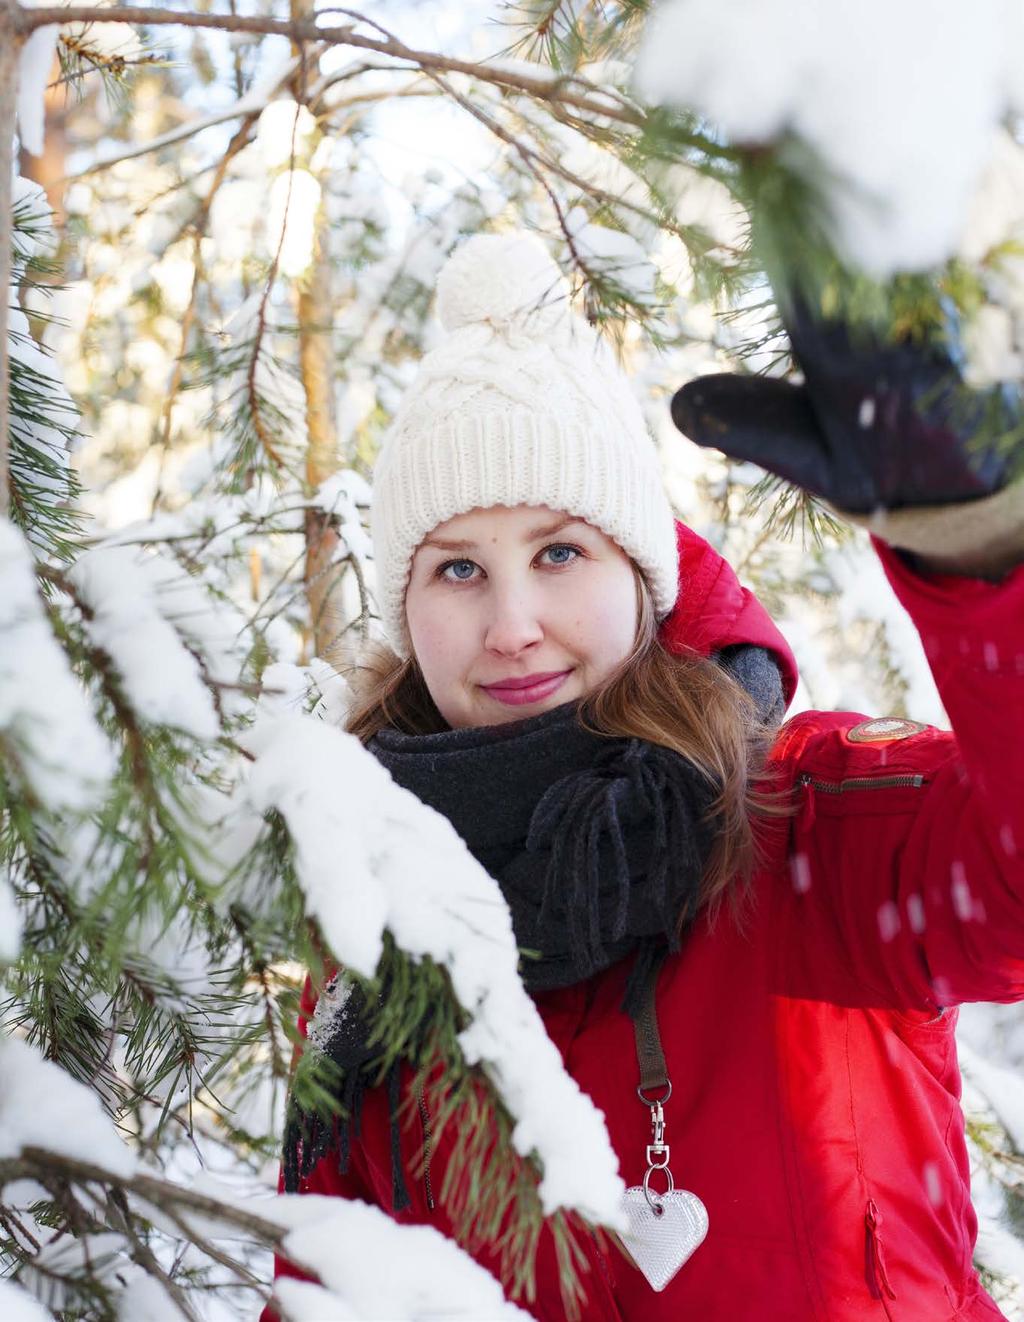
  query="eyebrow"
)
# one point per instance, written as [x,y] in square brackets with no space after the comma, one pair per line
[534,535]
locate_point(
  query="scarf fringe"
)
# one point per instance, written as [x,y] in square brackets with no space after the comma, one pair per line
[588,821]
[308,1136]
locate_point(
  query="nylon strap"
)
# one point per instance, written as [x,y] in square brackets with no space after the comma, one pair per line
[649,1054]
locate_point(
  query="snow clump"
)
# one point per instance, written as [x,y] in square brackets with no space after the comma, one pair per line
[45,717]
[41,1106]
[901,103]
[382,1270]
[17,1305]
[161,677]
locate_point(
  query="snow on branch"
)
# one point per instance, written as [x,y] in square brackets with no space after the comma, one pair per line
[900,144]
[34,66]
[48,731]
[41,1106]
[16,1305]
[371,858]
[379,1268]
[53,1128]
[162,679]
[10,920]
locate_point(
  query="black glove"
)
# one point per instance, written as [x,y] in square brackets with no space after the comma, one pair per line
[875,426]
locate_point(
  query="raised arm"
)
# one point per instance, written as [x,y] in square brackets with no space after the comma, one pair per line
[908,850]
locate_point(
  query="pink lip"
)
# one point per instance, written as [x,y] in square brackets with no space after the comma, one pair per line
[527,688]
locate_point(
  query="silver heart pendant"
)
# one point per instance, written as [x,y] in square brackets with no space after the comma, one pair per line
[659,1244]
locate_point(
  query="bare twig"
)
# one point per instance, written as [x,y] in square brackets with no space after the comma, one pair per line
[147,1260]
[35,1162]
[247,107]
[198,225]
[211,1250]
[10,49]
[570,89]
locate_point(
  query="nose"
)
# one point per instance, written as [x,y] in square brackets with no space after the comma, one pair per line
[513,625]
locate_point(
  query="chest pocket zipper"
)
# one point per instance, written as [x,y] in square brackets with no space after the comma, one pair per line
[813,786]
[911,780]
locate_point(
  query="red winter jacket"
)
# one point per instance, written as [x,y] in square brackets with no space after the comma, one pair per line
[815,1105]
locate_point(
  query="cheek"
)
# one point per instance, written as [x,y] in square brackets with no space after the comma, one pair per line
[435,631]
[606,620]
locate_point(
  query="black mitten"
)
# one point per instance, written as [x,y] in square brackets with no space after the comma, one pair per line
[874,426]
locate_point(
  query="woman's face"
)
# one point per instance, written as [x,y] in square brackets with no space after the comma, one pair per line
[514,611]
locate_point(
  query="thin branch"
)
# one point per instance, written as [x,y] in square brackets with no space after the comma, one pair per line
[159,1193]
[550,87]
[147,1260]
[198,224]
[10,51]
[211,1250]
[99,64]
[247,107]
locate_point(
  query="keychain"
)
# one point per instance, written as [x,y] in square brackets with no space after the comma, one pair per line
[664,1228]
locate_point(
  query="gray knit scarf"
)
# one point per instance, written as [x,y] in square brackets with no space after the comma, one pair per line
[599,845]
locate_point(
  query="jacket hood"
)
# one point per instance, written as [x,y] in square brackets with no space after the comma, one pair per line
[713,610]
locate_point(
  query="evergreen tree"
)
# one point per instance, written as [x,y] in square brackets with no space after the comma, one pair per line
[237,289]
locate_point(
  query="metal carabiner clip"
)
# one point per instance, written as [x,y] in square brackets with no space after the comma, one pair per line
[654,1199]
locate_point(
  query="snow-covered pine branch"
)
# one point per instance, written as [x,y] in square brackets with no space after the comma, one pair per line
[372,859]
[53,1133]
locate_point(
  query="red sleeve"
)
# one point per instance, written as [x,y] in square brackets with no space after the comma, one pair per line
[965,857]
[907,855]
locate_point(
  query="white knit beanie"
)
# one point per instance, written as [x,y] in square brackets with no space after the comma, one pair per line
[521,404]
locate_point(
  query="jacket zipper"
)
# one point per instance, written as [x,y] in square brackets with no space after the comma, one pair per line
[425,1122]
[908,781]
[878,1278]
[814,786]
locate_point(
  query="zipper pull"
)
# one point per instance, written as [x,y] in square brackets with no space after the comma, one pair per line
[876,1256]
[808,809]
[427,1137]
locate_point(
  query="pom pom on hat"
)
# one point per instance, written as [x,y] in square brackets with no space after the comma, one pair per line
[502,279]
[519,404]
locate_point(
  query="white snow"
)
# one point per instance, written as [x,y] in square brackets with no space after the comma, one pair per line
[39,437]
[370,1266]
[1003,1089]
[900,103]
[291,220]
[162,679]
[990,344]
[42,1106]
[10,920]
[44,713]
[286,131]
[343,493]
[144,1299]
[613,255]
[17,1305]
[371,857]
[384,1271]
[34,67]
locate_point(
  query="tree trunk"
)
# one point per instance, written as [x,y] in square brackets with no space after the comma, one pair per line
[316,366]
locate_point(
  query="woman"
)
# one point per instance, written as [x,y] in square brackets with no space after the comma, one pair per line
[785,982]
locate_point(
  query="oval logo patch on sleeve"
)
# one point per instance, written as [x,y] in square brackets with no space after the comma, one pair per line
[884,730]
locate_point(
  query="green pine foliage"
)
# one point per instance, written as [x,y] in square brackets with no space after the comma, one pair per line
[166,936]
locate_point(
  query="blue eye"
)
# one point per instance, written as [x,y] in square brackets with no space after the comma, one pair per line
[561,554]
[461,571]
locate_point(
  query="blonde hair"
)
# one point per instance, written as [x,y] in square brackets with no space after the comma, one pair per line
[685,702]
